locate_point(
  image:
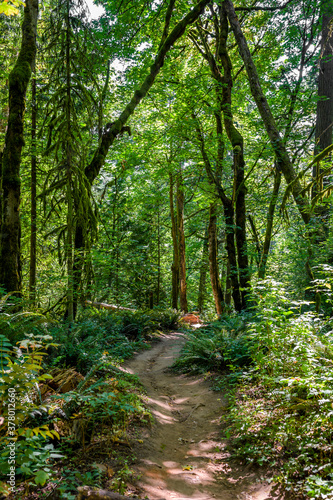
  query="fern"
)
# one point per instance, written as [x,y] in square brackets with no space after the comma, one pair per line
[6,350]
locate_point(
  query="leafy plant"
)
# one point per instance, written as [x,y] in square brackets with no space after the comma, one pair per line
[19,398]
[114,336]
[123,476]
[281,415]
[216,347]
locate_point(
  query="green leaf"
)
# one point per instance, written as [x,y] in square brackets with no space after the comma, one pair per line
[41,477]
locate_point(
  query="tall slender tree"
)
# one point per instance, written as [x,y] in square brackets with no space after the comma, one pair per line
[10,232]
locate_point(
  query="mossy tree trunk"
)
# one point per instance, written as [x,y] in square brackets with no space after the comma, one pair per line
[214,178]
[232,255]
[269,224]
[159,274]
[264,109]
[10,237]
[236,139]
[324,118]
[69,175]
[228,287]
[234,206]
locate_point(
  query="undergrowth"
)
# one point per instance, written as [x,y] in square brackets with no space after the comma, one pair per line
[50,425]
[276,364]
[111,336]
[282,413]
[220,345]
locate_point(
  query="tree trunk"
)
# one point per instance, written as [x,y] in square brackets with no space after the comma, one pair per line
[271,128]
[203,273]
[213,263]
[269,225]
[158,290]
[10,238]
[175,263]
[229,219]
[256,240]
[33,192]
[236,139]
[181,243]
[240,221]
[232,258]
[324,117]
[228,286]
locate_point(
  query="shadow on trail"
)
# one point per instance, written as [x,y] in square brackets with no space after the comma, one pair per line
[182,456]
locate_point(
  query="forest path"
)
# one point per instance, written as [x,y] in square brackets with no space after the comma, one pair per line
[182,456]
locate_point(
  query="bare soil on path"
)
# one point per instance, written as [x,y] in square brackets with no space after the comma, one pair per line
[183,456]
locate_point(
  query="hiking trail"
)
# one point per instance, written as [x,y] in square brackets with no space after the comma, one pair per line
[182,455]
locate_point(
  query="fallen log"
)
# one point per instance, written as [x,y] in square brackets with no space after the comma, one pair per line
[87,493]
[103,305]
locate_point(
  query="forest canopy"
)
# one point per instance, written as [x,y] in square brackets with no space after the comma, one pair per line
[222,171]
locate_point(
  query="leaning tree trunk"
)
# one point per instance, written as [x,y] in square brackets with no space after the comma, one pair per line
[181,243]
[213,263]
[10,242]
[276,140]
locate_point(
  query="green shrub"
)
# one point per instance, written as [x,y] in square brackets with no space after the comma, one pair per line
[113,336]
[19,380]
[223,344]
[281,415]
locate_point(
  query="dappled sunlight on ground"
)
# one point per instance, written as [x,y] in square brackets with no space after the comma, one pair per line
[183,456]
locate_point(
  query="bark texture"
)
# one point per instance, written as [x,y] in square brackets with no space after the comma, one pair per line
[203,273]
[324,117]
[213,262]
[10,249]
[277,142]
[175,263]
[181,243]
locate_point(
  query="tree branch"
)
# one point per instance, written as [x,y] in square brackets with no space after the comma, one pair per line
[261,7]
[109,136]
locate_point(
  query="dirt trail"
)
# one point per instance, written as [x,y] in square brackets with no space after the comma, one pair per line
[182,456]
